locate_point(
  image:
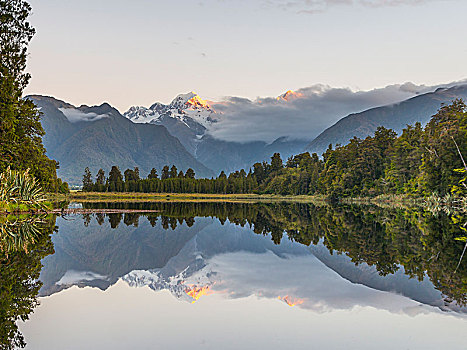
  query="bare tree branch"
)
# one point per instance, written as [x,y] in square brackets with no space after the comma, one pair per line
[460,154]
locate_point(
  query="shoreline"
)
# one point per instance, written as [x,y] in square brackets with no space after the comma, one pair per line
[382,200]
[158,197]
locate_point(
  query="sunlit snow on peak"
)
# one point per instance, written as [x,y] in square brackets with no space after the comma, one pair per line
[189,109]
[290,95]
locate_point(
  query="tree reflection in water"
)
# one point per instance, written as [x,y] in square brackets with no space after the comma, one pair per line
[422,243]
[24,241]
[388,239]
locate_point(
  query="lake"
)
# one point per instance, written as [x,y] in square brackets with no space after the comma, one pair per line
[219,275]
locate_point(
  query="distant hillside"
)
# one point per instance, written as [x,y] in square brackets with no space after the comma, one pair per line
[100,137]
[397,116]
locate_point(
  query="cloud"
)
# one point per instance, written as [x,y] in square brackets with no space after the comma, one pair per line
[320,6]
[304,115]
[75,115]
[72,277]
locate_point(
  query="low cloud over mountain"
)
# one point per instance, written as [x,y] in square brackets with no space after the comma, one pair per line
[75,115]
[301,114]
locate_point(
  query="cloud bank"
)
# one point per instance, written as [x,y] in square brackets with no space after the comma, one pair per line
[302,114]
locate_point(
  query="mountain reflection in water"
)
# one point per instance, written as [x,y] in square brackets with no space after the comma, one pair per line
[409,252]
[313,258]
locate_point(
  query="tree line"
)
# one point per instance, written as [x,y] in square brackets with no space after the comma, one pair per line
[419,162]
[171,180]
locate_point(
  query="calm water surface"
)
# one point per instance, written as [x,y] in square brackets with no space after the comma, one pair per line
[250,276]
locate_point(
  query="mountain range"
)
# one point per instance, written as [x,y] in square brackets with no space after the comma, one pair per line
[179,133]
[99,137]
[189,118]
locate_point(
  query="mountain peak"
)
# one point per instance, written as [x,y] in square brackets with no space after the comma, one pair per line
[189,100]
[290,95]
[181,99]
[197,102]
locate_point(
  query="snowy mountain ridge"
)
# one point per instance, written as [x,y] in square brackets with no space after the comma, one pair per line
[187,285]
[187,108]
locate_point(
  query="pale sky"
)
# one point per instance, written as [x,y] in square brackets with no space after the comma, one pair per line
[137,52]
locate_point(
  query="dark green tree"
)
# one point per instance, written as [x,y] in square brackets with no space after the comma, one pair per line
[259,172]
[276,162]
[165,172]
[173,172]
[152,174]
[115,179]
[20,127]
[190,173]
[100,178]
[129,175]
[406,159]
[136,174]
[115,175]
[441,156]
[87,180]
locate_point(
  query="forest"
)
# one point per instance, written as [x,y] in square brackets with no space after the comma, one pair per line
[419,162]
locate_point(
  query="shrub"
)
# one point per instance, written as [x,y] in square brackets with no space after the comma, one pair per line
[21,188]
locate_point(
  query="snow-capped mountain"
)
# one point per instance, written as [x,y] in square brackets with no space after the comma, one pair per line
[188,108]
[289,95]
[187,117]
[184,286]
[190,119]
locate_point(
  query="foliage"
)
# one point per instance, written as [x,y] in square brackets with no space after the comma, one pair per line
[21,188]
[20,127]
[20,232]
[171,181]
[20,266]
[87,180]
[445,130]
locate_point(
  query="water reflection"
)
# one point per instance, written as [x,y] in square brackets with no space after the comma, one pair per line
[24,241]
[308,257]
[410,252]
